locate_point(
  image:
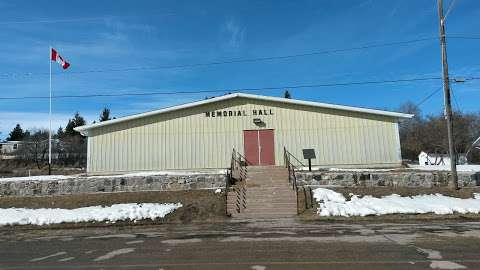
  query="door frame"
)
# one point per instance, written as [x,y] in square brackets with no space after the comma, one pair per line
[259,150]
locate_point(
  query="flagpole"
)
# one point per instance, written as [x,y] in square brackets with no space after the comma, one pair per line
[50,117]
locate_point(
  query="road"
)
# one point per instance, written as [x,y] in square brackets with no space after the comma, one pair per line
[257,245]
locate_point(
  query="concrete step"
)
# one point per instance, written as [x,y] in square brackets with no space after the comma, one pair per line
[243,216]
[266,211]
[275,206]
[258,195]
[270,191]
[253,174]
[270,181]
[267,176]
[270,202]
[267,187]
[278,186]
[269,194]
[268,184]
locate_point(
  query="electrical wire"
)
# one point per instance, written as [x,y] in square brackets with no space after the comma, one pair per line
[231,61]
[425,99]
[153,93]
[53,21]
[449,9]
[455,100]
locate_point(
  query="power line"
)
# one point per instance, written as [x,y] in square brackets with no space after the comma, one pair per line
[456,101]
[449,9]
[52,21]
[233,61]
[462,37]
[429,96]
[227,90]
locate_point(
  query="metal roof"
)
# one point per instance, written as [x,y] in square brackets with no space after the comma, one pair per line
[242,95]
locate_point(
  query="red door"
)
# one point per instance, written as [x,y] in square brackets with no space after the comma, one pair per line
[259,147]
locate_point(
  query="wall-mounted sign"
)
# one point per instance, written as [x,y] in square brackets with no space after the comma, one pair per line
[254,112]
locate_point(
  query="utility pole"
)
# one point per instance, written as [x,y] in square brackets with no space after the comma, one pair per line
[453,183]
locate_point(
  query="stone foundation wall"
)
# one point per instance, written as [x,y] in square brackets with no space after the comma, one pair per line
[385,179]
[101,184]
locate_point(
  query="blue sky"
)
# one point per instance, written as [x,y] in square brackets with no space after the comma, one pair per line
[105,35]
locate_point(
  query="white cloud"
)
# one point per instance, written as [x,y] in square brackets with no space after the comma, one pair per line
[233,33]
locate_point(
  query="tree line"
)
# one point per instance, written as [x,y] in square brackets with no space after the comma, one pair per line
[69,147]
[428,133]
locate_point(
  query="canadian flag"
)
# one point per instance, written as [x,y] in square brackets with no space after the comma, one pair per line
[54,56]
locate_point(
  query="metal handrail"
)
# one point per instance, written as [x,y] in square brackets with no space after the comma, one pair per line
[292,178]
[238,166]
[237,172]
[291,155]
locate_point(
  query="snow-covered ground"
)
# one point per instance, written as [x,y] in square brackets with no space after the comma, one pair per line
[139,174]
[334,204]
[316,168]
[116,212]
[37,178]
[162,173]
[460,168]
[360,170]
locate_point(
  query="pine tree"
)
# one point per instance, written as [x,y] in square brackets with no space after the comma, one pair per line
[60,132]
[105,115]
[16,134]
[76,121]
[286,94]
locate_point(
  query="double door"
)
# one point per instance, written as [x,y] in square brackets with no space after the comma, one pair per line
[259,147]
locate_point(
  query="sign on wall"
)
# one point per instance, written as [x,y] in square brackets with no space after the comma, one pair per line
[229,113]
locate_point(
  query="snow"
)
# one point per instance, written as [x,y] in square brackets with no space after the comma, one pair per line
[152,173]
[317,168]
[37,178]
[116,212]
[327,195]
[359,170]
[334,204]
[137,174]
[460,168]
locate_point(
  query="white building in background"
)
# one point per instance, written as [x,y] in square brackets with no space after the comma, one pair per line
[428,159]
[8,148]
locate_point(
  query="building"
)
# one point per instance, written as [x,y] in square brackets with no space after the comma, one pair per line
[426,159]
[203,134]
[429,159]
[8,149]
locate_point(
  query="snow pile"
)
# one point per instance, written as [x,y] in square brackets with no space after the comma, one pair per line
[136,174]
[359,170]
[460,168]
[37,178]
[327,195]
[153,173]
[116,212]
[334,204]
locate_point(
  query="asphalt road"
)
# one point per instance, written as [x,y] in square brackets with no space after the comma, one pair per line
[273,244]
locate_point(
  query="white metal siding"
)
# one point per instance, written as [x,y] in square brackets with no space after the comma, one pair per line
[187,139]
